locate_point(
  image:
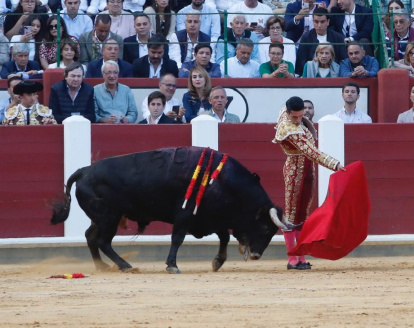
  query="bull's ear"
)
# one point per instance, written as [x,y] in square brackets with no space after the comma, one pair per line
[256,176]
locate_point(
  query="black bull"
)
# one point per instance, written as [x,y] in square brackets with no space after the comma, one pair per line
[151,186]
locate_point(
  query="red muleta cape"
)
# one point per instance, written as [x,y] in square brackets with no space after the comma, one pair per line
[340,224]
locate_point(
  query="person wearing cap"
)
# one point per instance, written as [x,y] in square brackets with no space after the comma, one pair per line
[21,65]
[28,111]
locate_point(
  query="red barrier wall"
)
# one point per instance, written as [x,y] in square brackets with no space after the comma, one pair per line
[32,168]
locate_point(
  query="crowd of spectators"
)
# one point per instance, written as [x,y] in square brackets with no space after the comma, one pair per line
[188,39]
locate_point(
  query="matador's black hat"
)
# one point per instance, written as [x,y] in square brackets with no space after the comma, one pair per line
[27,87]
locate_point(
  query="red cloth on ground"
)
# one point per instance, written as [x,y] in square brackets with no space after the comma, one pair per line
[337,227]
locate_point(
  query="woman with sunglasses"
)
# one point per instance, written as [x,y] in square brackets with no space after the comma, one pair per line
[14,24]
[48,49]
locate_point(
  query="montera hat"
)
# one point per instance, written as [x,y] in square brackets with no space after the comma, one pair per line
[27,87]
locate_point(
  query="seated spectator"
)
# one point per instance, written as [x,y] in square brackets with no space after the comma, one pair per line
[122,22]
[134,6]
[392,5]
[407,62]
[309,109]
[68,55]
[202,55]
[275,27]
[72,96]
[28,111]
[165,21]
[156,106]
[242,65]
[403,34]
[155,64]
[13,99]
[32,36]
[218,101]
[408,116]
[136,46]
[319,34]
[256,13]
[4,50]
[83,6]
[299,18]
[183,42]
[14,24]
[237,32]
[276,67]
[21,65]
[76,23]
[349,113]
[114,102]
[48,49]
[91,42]
[323,65]
[358,64]
[110,51]
[356,23]
[210,19]
[95,7]
[168,86]
[196,100]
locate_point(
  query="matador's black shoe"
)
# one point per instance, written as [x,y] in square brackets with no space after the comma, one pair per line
[304,266]
[293,266]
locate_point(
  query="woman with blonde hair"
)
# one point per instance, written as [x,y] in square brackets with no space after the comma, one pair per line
[323,65]
[408,60]
[196,100]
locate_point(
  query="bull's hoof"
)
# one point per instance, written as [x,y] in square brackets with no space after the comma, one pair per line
[173,270]
[217,263]
[131,270]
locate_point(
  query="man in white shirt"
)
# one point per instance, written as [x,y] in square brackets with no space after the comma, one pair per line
[210,19]
[257,15]
[76,24]
[241,65]
[168,86]
[349,113]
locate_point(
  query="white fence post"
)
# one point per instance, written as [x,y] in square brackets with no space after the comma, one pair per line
[205,132]
[77,154]
[331,142]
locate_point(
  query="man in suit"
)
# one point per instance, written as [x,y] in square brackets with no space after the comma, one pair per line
[319,34]
[353,24]
[156,105]
[21,65]
[183,42]
[110,51]
[155,64]
[136,46]
[218,101]
[91,42]
[299,19]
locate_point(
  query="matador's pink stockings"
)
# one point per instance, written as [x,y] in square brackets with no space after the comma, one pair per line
[290,241]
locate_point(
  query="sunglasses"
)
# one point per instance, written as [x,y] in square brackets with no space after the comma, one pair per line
[51,27]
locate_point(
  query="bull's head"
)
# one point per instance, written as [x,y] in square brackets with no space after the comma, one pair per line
[255,240]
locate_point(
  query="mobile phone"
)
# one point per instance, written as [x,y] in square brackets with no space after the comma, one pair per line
[305,4]
[253,24]
[175,109]
[27,29]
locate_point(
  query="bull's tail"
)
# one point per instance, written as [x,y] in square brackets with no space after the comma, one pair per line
[61,208]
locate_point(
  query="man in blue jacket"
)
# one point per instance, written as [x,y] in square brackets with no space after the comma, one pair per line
[21,65]
[72,96]
[358,64]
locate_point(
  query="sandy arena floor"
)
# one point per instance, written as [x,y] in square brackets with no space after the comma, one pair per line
[352,292]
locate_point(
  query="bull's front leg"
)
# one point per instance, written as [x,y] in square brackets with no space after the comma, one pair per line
[221,257]
[177,239]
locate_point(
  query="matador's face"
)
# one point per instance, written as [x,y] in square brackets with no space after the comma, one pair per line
[296,116]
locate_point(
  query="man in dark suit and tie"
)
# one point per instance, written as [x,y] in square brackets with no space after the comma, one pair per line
[155,64]
[156,105]
[110,51]
[356,23]
[21,65]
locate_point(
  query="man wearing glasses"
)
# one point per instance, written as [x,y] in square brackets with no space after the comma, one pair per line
[403,34]
[168,86]
[114,102]
[76,24]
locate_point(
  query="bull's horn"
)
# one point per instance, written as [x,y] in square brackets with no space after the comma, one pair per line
[275,219]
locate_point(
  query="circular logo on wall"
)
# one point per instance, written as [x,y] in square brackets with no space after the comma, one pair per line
[237,104]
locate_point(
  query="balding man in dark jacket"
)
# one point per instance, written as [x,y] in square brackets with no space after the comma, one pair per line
[72,96]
